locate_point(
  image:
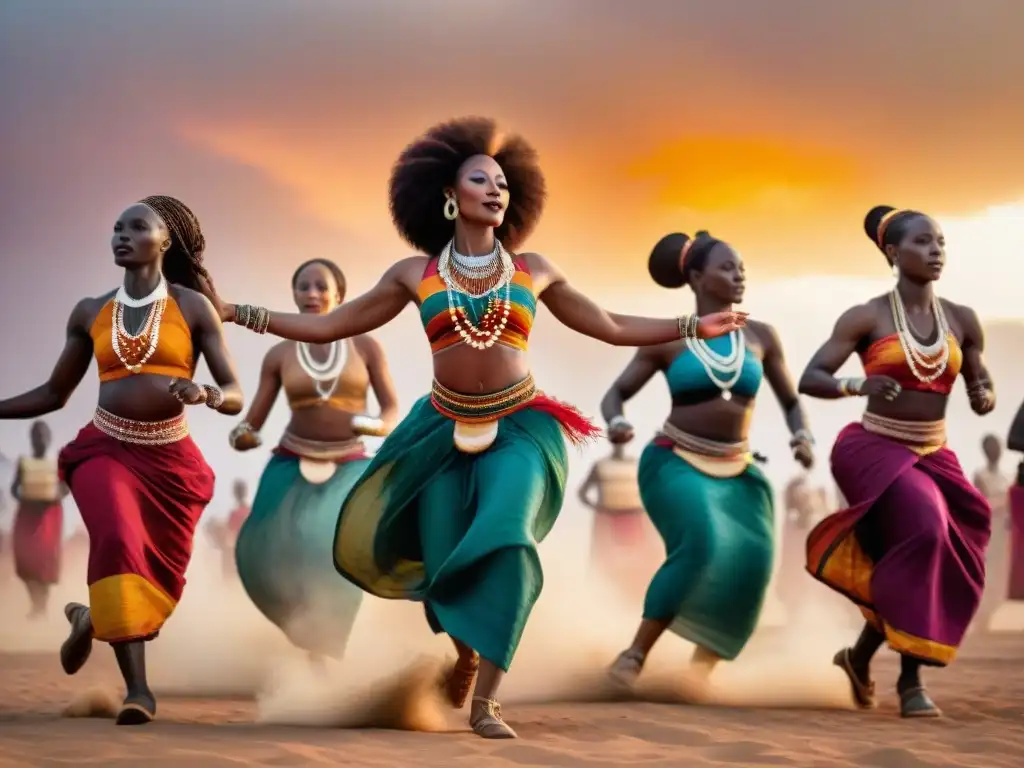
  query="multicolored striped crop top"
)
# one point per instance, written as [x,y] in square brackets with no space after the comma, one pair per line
[437,316]
[885,357]
[172,357]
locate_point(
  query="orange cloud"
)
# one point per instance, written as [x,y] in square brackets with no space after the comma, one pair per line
[716,174]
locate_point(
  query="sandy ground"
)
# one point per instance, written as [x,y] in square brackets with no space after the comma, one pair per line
[232,692]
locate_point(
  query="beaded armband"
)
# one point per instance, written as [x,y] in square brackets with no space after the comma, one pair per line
[252,317]
[688,326]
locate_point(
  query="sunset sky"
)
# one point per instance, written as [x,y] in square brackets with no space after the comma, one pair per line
[777,125]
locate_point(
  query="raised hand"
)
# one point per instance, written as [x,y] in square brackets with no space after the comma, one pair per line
[225,311]
[720,323]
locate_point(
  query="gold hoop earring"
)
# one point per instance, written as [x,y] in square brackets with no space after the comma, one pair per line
[451,208]
[165,246]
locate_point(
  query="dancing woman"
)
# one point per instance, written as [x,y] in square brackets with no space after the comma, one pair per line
[712,506]
[910,549]
[285,548]
[39,522]
[137,477]
[452,506]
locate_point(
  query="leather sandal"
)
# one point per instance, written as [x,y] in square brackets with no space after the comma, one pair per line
[863,691]
[486,720]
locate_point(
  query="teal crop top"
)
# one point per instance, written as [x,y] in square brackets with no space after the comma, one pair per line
[689,383]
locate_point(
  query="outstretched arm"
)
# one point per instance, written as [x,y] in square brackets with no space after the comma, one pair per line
[378,306]
[980,390]
[211,344]
[781,382]
[380,381]
[576,311]
[67,374]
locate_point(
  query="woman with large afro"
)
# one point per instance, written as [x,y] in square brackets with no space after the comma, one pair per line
[450,510]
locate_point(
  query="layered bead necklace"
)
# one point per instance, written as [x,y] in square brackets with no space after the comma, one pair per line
[324,375]
[926,361]
[135,349]
[475,277]
[723,370]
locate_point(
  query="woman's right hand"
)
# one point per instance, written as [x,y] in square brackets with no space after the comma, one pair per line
[881,386]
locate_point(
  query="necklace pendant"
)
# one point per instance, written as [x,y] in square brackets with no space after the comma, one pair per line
[726,394]
[135,368]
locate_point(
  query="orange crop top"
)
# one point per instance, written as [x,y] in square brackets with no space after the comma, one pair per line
[885,357]
[173,356]
[349,394]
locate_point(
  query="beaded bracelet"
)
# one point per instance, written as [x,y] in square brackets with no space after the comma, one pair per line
[254,318]
[214,397]
[688,325]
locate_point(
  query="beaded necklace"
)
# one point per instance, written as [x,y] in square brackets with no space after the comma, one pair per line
[489,275]
[135,349]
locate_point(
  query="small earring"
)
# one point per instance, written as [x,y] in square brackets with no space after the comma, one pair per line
[895,269]
[166,246]
[451,208]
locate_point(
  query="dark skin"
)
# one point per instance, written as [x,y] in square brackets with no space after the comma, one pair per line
[140,240]
[920,257]
[481,192]
[717,287]
[316,291]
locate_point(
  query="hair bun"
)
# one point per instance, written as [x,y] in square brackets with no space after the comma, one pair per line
[874,219]
[663,263]
[702,233]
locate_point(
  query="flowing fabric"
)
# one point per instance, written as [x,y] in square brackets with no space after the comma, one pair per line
[719,536]
[36,539]
[140,505]
[284,555]
[1016,591]
[458,531]
[910,550]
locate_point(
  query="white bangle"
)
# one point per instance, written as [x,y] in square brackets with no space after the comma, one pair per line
[618,421]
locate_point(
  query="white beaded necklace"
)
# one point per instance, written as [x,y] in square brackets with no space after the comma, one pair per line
[119,335]
[930,358]
[324,375]
[487,333]
[723,370]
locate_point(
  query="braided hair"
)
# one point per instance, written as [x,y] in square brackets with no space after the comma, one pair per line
[330,266]
[664,262]
[183,261]
[886,225]
[432,162]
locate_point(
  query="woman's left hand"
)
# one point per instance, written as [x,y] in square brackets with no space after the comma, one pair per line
[720,323]
[188,392]
[803,452]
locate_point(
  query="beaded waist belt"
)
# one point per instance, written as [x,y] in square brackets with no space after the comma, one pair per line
[924,434]
[141,432]
[477,409]
[320,450]
[702,446]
